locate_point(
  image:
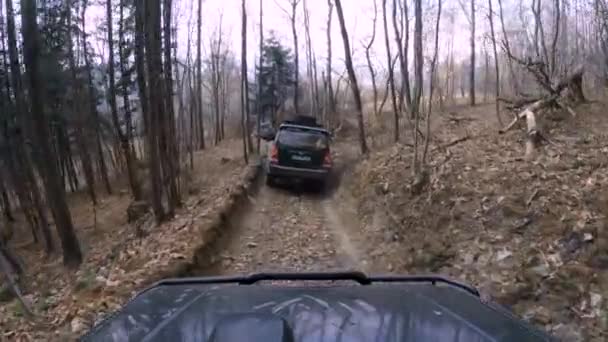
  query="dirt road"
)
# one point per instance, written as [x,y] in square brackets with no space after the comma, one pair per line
[283,229]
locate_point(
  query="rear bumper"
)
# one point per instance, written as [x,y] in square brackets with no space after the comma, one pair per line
[296,172]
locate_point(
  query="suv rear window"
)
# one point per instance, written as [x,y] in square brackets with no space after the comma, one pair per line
[303,138]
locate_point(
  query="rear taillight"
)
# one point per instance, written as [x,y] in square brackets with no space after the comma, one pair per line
[327,162]
[274,153]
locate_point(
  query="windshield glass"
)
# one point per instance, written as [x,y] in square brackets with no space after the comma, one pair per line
[303,138]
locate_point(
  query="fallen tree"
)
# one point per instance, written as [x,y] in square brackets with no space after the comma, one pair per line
[563,94]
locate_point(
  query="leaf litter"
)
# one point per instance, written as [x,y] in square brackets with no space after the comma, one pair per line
[532,235]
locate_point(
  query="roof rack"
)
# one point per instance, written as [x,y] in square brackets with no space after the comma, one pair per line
[355,276]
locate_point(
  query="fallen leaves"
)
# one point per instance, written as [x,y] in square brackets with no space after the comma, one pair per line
[116,267]
[536,234]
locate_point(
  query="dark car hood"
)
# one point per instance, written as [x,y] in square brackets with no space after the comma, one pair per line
[386,312]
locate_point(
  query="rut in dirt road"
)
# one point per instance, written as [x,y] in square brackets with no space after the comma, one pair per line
[285,230]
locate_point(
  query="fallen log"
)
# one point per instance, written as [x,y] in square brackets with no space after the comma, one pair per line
[532,132]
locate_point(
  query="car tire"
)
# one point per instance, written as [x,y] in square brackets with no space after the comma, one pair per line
[320,185]
[270,180]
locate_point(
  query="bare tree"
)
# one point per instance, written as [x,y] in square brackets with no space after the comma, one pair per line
[103,168]
[402,40]
[352,77]
[122,136]
[244,83]
[331,100]
[418,78]
[431,86]
[496,64]
[260,61]
[370,65]
[292,15]
[309,57]
[168,146]
[199,78]
[391,73]
[153,63]
[72,255]
[20,164]
[507,48]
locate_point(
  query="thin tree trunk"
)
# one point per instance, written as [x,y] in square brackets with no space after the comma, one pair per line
[419,81]
[103,168]
[472,70]
[199,78]
[402,53]
[507,48]
[486,77]
[260,62]
[72,255]
[496,65]
[148,33]
[309,58]
[123,138]
[370,66]
[431,87]
[330,90]
[244,90]
[126,138]
[171,156]
[352,77]
[153,52]
[391,73]
[294,32]
[23,167]
[78,109]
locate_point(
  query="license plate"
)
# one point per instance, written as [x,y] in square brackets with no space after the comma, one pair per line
[300,158]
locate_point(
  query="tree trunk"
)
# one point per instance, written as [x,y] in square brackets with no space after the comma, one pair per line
[507,48]
[427,138]
[78,110]
[294,32]
[126,139]
[402,53]
[244,90]
[496,65]
[103,168]
[370,66]
[146,14]
[123,138]
[155,90]
[472,70]
[259,95]
[331,100]
[72,255]
[21,165]
[352,77]
[391,73]
[419,81]
[486,76]
[199,78]
[171,154]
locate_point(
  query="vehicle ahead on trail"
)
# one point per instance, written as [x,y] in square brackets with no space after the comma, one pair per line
[312,307]
[300,151]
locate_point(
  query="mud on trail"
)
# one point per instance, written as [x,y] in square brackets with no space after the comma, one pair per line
[286,229]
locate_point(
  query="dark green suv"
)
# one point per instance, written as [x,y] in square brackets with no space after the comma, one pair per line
[299,152]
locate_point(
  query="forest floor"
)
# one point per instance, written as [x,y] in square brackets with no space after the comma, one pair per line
[117,262]
[533,235]
[530,234]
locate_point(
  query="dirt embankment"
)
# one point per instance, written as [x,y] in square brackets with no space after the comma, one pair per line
[118,262]
[533,235]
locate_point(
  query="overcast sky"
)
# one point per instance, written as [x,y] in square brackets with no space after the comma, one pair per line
[358,16]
